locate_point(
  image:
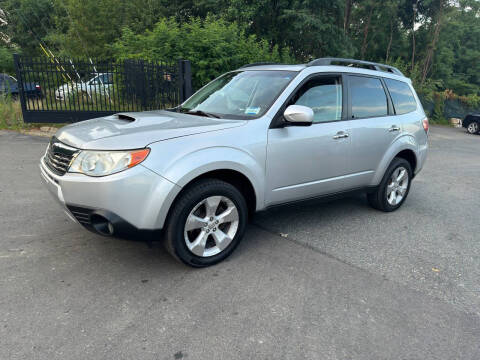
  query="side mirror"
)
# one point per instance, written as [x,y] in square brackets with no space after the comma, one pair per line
[299,115]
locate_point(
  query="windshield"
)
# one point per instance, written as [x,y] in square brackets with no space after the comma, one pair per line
[7,79]
[239,95]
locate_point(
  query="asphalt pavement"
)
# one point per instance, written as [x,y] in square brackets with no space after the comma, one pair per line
[319,280]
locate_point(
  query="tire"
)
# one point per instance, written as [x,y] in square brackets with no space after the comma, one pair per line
[217,217]
[473,127]
[380,198]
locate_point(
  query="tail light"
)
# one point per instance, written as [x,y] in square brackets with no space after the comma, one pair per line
[425,124]
[37,87]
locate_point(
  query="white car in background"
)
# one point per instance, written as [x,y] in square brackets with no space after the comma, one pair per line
[97,84]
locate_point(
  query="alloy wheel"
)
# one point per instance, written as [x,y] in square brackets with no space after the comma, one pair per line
[397,186]
[211,226]
[472,127]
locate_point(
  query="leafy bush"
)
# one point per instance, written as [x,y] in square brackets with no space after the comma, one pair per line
[213,45]
[6,60]
[471,100]
[438,108]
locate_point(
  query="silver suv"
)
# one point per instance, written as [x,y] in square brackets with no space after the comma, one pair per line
[259,136]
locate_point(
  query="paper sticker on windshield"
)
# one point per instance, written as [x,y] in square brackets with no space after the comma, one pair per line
[252,110]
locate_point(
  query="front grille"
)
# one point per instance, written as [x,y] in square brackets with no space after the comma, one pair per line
[59,156]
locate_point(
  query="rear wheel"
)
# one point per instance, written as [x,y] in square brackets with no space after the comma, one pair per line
[394,187]
[206,223]
[473,127]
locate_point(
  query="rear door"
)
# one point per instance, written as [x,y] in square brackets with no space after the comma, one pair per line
[405,106]
[373,127]
[308,161]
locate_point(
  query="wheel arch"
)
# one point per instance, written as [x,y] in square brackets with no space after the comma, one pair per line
[404,147]
[410,156]
[233,177]
[470,118]
[230,165]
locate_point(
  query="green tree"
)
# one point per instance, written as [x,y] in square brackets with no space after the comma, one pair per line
[6,60]
[212,45]
[29,22]
[438,41]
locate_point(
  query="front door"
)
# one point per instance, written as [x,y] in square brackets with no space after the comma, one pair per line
[309,161]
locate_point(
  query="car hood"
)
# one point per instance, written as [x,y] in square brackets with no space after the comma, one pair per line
[138,129]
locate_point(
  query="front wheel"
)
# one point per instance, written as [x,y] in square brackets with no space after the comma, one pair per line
[394,187]
[473,127]
[206,223]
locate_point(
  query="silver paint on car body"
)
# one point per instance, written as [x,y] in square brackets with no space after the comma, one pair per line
[282,164]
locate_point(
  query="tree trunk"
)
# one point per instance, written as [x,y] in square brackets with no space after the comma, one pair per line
[348,12]
[433,44]
[389,41]
[413,33]
[365,32]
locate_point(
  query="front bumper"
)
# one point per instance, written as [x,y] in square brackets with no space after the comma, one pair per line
[137,197]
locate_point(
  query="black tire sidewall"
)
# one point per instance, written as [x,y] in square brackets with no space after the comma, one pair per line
[478,128]
[183,207]
[396,163]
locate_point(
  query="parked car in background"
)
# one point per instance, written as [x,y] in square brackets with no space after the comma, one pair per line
[472,123]
[98,84]
[9,86]
[256,137]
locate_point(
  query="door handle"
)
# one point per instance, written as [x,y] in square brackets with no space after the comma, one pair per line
[341,135]
[394,128]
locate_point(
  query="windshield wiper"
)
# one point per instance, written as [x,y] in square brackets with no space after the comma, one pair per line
[202,113]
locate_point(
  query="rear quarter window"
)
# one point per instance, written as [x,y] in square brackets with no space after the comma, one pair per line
[402,96]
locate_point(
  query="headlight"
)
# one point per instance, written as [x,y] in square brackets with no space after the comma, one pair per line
[101,163]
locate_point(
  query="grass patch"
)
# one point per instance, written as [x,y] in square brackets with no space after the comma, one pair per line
[439,121]
[11,116]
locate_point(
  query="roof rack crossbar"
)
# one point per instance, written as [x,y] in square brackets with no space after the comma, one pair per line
[371,65]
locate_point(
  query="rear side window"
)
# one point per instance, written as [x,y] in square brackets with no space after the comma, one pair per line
[368,97]
[402,97]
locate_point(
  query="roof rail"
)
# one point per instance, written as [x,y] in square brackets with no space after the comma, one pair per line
[258,64]
[350,62]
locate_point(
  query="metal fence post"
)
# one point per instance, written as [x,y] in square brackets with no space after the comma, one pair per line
[142,84]
[18,72]
[185,76]
[187,79]
[180,81]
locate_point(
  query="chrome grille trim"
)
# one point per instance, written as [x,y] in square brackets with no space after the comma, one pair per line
[59,156]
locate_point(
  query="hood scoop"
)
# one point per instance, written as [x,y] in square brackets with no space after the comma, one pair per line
[125,117]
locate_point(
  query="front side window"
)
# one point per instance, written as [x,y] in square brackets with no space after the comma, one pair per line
[239,95]
[7,79]
[107,79]
[324,96]
[94,81]
[102,79]
[402,97]
[368,97]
